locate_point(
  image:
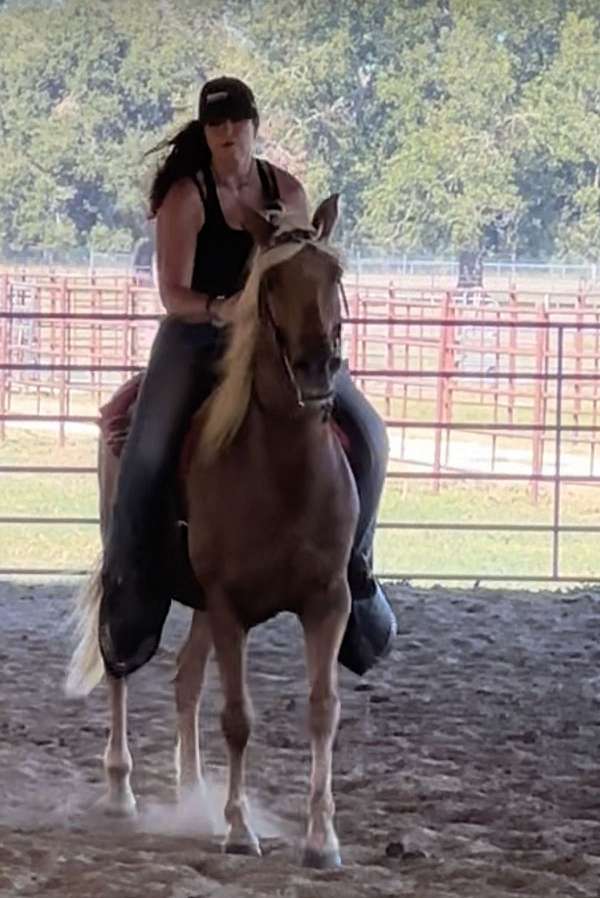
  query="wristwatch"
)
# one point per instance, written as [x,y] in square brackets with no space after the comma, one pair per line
[213,299]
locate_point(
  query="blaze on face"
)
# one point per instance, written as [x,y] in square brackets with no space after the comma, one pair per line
[302,305]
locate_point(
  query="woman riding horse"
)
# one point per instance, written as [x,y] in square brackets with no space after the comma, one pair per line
[198,198]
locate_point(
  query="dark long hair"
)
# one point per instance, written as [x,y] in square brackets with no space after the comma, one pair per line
[189,152]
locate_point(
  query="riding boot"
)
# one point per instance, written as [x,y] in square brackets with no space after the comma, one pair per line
[372,624]
[136,586]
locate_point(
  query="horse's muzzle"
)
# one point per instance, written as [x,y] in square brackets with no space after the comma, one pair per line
[314,375]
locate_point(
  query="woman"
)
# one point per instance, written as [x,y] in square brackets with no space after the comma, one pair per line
[197,197]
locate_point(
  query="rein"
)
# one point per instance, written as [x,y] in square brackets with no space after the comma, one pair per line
[298,235]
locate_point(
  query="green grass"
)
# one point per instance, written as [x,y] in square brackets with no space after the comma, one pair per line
[478,553]
[48,495]
[407,551]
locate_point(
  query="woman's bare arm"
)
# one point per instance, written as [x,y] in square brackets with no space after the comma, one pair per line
[293,195]
[178,221]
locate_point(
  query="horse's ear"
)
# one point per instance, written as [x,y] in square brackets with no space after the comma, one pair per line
[326,216]
[258,226]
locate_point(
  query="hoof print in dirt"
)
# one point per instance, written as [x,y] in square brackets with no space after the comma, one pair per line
[399,850]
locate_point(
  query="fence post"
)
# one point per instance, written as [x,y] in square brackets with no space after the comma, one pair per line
[354,309]
[126,306]
[513,307]
[579,318]
[63,390]
[595,384]
[449,365]
[405,342]
[539,405]
[390,391]
[441,392]
[134,325]
[4,353]
[556,501]
[96,346]
[363,306]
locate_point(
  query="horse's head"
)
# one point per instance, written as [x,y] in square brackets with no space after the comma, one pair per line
[299,299]
[292,302]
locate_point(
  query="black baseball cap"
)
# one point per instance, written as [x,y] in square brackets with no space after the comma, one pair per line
[226,98]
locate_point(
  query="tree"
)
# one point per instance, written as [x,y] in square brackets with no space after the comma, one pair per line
[561,116]
[450,180]
[443,124]
[80,105]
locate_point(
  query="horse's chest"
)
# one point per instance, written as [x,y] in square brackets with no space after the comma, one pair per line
[274,530]
[290,532]
[282,577]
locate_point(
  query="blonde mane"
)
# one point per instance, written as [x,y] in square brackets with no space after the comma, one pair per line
[223,413]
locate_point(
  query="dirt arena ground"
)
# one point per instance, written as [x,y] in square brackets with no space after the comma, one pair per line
[467,765]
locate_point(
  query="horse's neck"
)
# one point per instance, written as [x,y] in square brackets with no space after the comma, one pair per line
[296,455]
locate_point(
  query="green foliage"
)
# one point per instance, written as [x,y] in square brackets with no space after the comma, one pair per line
[561,111]
[451,176]
[443,124]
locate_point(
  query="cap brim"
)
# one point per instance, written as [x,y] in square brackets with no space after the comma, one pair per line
[226,107]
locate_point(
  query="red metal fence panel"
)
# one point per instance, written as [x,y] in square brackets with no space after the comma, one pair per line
[451,366]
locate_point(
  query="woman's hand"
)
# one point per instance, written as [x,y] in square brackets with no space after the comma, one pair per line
[223,312]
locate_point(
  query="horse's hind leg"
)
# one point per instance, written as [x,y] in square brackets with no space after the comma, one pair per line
[118,763]
[230,646]
[191,665]
[324,624]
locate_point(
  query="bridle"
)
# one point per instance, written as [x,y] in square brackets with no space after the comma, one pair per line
[297,235]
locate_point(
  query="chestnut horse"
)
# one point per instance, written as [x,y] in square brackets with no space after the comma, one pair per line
[272,510]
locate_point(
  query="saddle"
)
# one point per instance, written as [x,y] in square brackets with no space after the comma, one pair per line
[114,417]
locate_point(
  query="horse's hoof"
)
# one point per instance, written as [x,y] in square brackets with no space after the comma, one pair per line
[321,860]
[122,809]
[251,848]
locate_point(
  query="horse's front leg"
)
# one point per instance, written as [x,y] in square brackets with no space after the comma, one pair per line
[230,647]
[191,665]
[118,764]
[324,621]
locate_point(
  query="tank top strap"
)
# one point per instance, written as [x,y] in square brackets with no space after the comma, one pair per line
[210,198]
[208,194]
[268,182]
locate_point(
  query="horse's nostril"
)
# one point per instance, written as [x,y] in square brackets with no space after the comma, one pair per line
[315,364]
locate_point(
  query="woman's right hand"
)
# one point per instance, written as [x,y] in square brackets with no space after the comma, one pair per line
[223,312]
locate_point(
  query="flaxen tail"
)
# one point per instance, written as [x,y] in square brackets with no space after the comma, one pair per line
[87,667]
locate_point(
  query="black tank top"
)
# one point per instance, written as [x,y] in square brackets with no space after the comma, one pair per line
[222,252]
